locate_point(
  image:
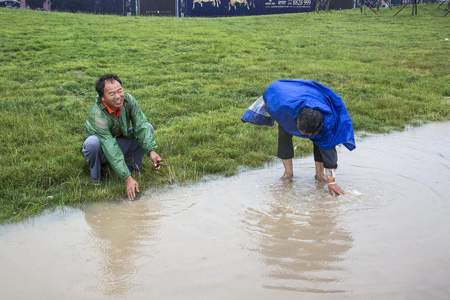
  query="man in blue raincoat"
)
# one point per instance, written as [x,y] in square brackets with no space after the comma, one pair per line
[310,110]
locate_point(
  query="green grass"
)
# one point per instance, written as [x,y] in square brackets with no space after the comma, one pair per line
[193,78]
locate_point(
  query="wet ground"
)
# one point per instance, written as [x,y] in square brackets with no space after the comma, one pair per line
[254,237]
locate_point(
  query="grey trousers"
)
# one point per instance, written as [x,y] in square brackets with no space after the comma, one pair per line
[93,153]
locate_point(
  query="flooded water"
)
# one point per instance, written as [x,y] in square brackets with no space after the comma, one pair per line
[252,236]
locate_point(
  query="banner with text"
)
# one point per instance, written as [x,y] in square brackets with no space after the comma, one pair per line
[243,7]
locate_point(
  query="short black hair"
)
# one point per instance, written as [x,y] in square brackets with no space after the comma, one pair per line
[100,84]
[310,121]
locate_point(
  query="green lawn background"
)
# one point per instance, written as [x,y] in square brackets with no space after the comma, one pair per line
[193,77]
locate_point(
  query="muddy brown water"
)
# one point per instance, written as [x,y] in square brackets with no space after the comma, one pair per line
[252,236]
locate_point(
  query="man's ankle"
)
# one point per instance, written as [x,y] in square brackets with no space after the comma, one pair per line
[320,178]
[96,182]
[287,176]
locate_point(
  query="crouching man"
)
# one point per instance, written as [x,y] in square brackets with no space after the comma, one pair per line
[118,133]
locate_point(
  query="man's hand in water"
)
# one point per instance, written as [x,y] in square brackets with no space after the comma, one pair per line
[334,189]
[132,187]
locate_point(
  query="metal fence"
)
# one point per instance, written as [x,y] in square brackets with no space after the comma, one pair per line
[207,8]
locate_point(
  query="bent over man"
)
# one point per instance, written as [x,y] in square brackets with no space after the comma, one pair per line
[306,109]
[118,133]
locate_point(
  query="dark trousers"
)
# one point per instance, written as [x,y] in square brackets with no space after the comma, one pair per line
[286,150]
[93,153]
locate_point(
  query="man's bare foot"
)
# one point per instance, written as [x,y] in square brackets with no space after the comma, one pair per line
[287,177]
[320,179]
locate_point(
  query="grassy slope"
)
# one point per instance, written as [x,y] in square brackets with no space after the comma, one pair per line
[193,78]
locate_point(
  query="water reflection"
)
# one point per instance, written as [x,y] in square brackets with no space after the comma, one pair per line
[385,239]
[300,239]
[122,231]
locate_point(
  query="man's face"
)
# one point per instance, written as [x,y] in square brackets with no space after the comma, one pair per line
[113,94]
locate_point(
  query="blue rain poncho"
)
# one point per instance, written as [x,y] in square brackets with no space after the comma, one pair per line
[257,114]
[284,99]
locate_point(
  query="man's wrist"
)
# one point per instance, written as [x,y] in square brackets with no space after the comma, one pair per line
[330,175]
[330,172]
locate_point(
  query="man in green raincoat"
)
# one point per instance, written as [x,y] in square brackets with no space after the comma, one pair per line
[118,133]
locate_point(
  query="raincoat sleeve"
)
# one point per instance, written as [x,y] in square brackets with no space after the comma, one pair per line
[143,130]
[98,125]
